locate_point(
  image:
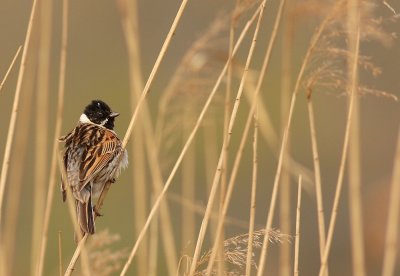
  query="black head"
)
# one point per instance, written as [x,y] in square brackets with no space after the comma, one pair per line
[100,113]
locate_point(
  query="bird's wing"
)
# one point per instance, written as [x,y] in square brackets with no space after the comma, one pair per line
[98,155]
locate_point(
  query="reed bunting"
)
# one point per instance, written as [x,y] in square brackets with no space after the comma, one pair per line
[93,156]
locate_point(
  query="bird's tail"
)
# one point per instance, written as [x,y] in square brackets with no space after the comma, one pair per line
[85,215]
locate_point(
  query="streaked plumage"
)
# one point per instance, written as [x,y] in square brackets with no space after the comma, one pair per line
[92,158]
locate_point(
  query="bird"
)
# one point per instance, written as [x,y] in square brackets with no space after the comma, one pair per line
[93,156]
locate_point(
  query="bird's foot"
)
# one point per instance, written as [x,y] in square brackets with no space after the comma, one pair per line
[97,212]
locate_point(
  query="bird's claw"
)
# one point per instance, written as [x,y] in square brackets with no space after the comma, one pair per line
[96,212]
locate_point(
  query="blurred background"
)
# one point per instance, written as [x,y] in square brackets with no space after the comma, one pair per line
[98,68]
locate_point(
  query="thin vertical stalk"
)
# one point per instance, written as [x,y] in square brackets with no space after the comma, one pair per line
[225,163]
[154,71]
[230,188]
[60,264]
[57,134]
[18,163]
[343,160]
[354,166]
[297,241]
[14,114]
[225,144]
[391,240]
[296,89]
[10,67]
[286,83]
[317,177]
[188,187]
[129,22]
[253,195]
[210,157]
[42,119]
[244,137]
[153,247]
[139,106]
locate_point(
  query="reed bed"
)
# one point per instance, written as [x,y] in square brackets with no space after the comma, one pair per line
[248,125]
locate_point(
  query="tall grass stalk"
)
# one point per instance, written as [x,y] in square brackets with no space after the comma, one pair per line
[251,113]
[227,108]
[317,177]
[354,166]
[230,188]
[60,257]
[225,144]
[10,67]
[14,114]
[269,134]
[153,247]
[392,225]
[296,90]
[154,71]
[188,186]
[339,184]
[253,195]
[18,163]
[286,83]
[130,22]
[57,134]
[189,140]
[42,119]
[297,241]
[211,160]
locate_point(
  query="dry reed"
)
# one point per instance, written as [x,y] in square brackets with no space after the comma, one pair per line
[14,113]
[184,109]
[60,257]
[297,240]
[342,163]
[354,163]
[253,106]
[391,239]
[221,158]
[13,207]
[57,134]
[317,176]
[42,119]
[235,252]
[286,83]
[296,90]
[253,194]
[129,21]
[10,67]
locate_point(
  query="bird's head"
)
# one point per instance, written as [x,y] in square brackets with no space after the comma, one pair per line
[99,113]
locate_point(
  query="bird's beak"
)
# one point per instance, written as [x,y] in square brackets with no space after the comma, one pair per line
[114,114]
